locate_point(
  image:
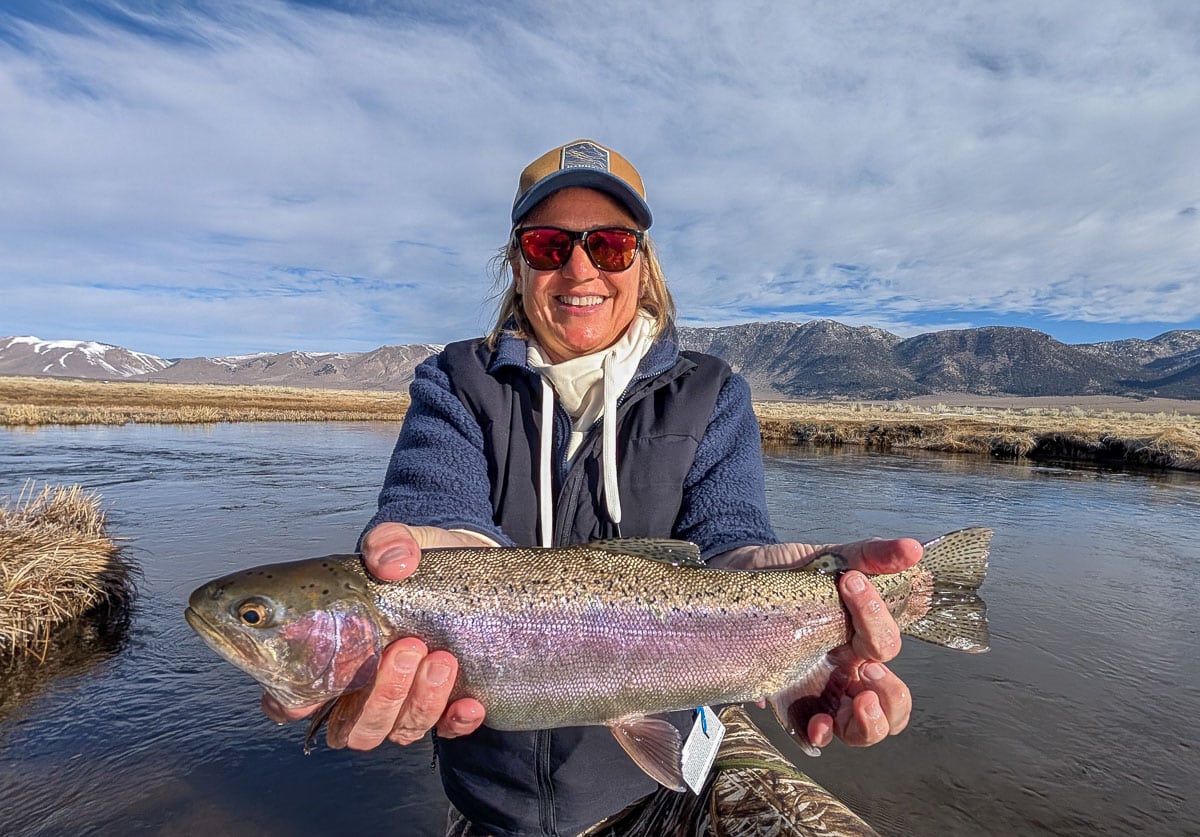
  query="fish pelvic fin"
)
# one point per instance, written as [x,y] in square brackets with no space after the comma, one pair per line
[655,745]
[816,692]
[677,553]
[317,721]
[956,616]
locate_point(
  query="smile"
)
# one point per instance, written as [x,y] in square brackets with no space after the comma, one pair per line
[580,301]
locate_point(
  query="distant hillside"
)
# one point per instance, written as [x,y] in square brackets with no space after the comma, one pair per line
[820,359]
[73,359]
[826,359]
[388,367]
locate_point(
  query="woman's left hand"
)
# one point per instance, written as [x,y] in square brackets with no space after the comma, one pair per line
[877,703]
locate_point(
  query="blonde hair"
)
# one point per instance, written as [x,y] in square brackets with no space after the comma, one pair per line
[654,297]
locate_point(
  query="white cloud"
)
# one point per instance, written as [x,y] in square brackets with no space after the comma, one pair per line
[291,177]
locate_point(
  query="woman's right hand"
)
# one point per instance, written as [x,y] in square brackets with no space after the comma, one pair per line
[411,691]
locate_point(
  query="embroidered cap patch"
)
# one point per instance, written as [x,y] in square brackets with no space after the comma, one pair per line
[584,155]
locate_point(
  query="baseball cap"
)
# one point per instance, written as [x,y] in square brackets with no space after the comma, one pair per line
[586,163]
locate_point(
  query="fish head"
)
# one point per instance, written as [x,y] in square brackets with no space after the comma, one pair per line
[307,631]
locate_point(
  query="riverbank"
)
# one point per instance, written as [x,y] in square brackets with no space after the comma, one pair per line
[1160,433]
[1068,432]
[29,402]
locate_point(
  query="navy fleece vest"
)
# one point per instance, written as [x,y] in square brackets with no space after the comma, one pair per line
[561,781]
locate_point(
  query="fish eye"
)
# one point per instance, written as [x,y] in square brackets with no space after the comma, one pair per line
[255,613]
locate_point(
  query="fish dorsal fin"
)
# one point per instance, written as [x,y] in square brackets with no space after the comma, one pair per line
[674,552]
[655,745]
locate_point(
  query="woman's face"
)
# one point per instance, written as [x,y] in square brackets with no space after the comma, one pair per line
[578,309]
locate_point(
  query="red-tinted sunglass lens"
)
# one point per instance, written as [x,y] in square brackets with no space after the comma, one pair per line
[612,249]
[545,249]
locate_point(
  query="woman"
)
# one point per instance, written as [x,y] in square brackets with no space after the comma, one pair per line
[643,440]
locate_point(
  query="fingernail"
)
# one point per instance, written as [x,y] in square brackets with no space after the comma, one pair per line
[463,718]
[874,671]
[407,662]
[394,559]
[437,673]
[874,711]
[856,582]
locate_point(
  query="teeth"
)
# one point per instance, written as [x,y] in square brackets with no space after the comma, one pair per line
[581,300]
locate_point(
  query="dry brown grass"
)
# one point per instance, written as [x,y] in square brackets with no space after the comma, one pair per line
[27,402]
[1165,440]
[57,564]
[1169,438]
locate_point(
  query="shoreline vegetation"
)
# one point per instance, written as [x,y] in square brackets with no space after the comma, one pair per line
[61,574]
[1159,433]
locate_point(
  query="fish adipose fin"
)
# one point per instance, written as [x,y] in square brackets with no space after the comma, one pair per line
[674,552]
[949,613]
[655,745]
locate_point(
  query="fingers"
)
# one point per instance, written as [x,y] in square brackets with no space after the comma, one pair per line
[408,698]
[876,634]
[462,717]
[881,707]
[410,691]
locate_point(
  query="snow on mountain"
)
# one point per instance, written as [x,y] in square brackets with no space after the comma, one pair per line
[29,355]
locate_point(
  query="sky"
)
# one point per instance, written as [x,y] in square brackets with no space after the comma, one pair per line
[211,178]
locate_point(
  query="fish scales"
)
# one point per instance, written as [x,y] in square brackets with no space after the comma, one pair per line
[589,636]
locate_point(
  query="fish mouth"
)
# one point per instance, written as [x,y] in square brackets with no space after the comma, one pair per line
[244,655]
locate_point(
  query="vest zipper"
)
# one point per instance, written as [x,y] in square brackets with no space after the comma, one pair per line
[545,784]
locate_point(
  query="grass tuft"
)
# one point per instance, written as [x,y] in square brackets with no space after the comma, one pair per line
[57,564]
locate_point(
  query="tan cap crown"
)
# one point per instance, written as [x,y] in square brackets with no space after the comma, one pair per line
[584,163]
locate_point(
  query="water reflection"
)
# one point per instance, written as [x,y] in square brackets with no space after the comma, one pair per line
[79,648]
[1082,719]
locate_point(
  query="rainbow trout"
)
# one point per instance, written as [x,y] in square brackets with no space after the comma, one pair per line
[614,633]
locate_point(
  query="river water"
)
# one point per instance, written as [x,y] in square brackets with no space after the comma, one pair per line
[1083,719]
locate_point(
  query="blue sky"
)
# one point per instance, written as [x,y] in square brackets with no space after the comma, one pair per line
[216,178]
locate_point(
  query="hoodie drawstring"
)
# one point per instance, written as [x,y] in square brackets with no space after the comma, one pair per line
[545,483]
[608,444]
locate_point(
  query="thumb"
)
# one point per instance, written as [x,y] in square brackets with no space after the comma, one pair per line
[391,551]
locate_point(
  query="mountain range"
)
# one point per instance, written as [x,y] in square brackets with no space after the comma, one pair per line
[820,359]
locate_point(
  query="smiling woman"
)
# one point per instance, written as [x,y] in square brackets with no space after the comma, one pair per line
[580,418]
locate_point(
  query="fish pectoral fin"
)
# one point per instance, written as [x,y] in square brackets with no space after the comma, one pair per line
[655,745]
[796,704]
[318,720]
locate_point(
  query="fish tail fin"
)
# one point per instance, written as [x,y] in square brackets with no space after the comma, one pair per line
[954,616]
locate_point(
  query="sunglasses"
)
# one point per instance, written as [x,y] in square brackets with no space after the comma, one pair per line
[549,248]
